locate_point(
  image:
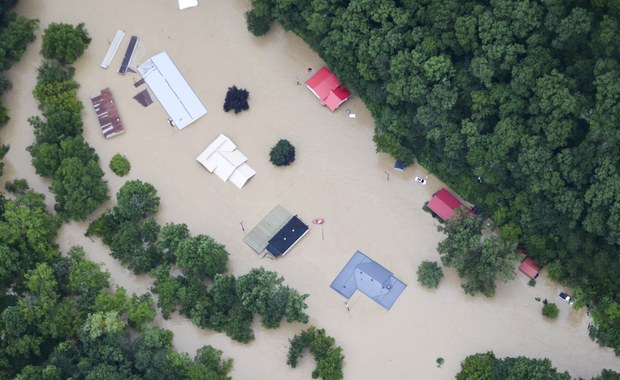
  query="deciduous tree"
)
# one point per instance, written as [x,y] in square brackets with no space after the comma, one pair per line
[64,42]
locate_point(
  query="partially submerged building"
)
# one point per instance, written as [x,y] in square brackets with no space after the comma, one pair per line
[277,233]
[224,159]
[326,86]
[369,277]
[172,90]
[529,268]
[444,204]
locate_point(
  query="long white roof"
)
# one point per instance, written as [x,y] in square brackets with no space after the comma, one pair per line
[172,90]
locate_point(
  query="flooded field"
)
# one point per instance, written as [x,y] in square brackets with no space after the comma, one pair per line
[337,176]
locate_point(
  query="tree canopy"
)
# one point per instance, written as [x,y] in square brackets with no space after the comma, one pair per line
[16,32]
[329,357]
[64,42]
[236,99]
[282,154]
[483,366]
[190,271]
[59,151]
[59,319]
[478,258]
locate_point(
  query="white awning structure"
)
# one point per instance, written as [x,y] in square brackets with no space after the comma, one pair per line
[184,4]
[172,90]
[222,158]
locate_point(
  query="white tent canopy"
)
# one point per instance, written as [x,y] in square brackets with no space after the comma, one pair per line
[172,90]
[184,4]
[222,158]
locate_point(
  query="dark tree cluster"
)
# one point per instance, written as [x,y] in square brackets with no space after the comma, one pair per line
[190,271]
[59,150]
[514,104]
[60,320]
[486,366]
[236,100]
[329,357]
[282,154]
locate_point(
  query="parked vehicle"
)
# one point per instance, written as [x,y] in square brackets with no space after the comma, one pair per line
[420,180]
[567,298]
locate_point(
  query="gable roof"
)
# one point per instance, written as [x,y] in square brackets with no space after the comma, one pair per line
[364,274]
[529,268]
[172,90]
[444,204]
[222,158]
[287,237]
[336,97]
[326,86]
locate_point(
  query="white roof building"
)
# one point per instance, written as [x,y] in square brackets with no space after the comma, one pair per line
[222,158]
[172,90]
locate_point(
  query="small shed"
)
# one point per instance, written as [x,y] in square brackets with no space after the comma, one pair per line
[444,204]
[529,268]
[326,86]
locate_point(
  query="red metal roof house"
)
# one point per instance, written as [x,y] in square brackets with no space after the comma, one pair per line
[326,86]
[444,204]
[529,268]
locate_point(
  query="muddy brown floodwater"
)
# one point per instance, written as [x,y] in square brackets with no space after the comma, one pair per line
[337,176]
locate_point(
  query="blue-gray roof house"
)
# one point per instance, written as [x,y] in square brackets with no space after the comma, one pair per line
[363,274]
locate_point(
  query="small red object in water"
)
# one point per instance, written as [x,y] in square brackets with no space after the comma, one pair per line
[318,221]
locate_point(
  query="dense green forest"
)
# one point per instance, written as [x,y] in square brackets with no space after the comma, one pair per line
[514,104]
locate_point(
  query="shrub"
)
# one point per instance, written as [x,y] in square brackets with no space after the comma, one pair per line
[531,282]
[236,99]
[439,362]
[550,310]
[282,154]
[120,165]
[429,274]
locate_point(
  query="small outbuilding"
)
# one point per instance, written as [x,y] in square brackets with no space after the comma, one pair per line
[326,86]
[529,268]
[444,204]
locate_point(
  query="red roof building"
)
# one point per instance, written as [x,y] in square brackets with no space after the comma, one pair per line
[529,268]
[444,204]
[326,86]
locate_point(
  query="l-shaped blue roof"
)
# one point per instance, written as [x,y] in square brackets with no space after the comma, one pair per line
[364,274]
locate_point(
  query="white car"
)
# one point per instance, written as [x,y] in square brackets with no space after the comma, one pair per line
[420,180]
